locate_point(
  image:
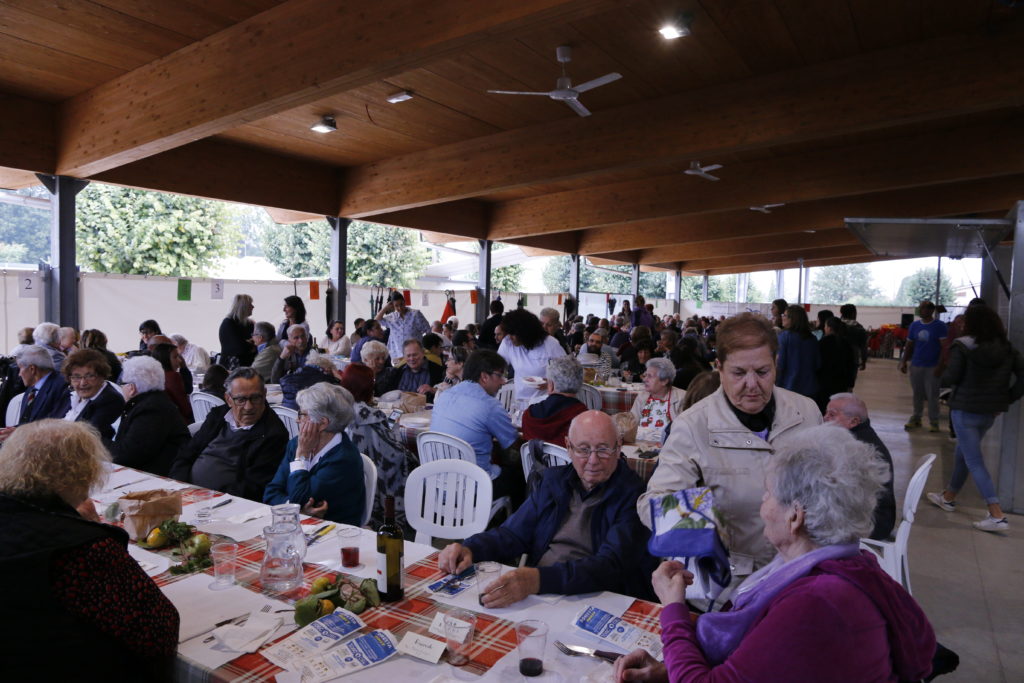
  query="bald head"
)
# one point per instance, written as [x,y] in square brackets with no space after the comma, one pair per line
[846,410]
[594,444]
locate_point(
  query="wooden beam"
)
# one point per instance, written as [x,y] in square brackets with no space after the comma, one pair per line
[790,257]
[27,136]
[234,173]
[296,53]
[837,237]
[925,81]
[936,200]
[467,218]
[563,242]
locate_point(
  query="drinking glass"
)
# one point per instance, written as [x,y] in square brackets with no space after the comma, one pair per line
[349,537]
[459,625]
[532,638]
[225,563]
[486,574]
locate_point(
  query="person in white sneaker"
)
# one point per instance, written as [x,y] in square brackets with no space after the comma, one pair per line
[981,366]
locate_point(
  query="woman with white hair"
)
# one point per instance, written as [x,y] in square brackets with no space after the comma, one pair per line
[375,356]
[822,610]
[317,368]
[152,428]
[68,576]
[195,357]
[322,470]
[236,347]
[659,403]
[47,335]
[549,420]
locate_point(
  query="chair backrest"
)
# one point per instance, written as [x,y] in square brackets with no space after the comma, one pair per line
[369,484]
[590,396]
[448,499]
[290,417]
[553,456]
[507,396]
[202,403]
[438,446]
[916,487]
[14,409]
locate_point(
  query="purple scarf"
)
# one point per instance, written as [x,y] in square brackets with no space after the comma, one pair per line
[719,633]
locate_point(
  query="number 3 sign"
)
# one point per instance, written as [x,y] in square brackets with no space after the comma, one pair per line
[29,285]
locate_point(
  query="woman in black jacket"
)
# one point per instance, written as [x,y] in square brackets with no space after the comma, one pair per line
[236,347]
[838,370]
[92,398]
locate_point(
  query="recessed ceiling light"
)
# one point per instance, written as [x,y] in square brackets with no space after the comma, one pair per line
[810,231]
[400,96]
[326,124]
[678,27]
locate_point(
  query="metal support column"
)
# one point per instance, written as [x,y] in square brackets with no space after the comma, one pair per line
[634,281]
[992,282]
[938,280]
[677,300]
[483,286]
[575,266]
[704,289]
[800,281]
[780,284]
[61,289]
[1011,447]
[337,287]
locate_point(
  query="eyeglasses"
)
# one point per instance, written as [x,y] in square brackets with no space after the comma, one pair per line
[602,452]
[83,378]
[302,414]
[254,399]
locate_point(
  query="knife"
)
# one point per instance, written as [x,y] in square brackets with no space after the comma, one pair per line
[137,481]
[320,534]
[221,504]
[216,626]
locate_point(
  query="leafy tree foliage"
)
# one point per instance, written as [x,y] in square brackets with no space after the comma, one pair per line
[720,288]
[122,230]
[556,279]
[27,227]
[298,250]
[921,285]
[850,283]
[13,253]
[504,279]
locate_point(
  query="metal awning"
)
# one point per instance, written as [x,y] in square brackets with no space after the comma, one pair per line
[954,238]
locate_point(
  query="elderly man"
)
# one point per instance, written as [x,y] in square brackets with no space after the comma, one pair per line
[923,352]
[293,353]
[402,322]
[470,411]
[849,412]
[549,419]
[239,446]
[416,374]
[374,332]
[195,357]
[264,336]
[45,390]
[597,346]
[549,318]
[579,529]
[47,335]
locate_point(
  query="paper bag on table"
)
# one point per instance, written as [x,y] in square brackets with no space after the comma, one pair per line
[627,424]
[413,402]
[144,510]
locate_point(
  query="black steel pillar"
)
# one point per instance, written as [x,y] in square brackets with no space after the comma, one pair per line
[634,281]
[677,301]
[61,282]
[1010,485]
[704,289]
[337,286]
[483,286]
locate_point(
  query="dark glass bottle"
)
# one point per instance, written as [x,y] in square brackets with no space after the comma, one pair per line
[390,552]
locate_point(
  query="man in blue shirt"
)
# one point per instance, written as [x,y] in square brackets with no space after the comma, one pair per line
[470,411]
[923,350]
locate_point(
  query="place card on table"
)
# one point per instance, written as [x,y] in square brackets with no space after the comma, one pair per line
[421,647]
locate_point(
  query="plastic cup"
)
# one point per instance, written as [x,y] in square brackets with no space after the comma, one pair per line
[532,638]
[459,626]
[349,539]
[486,574]
[225,562]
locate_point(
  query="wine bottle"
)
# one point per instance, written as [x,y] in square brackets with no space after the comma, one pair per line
[390,551]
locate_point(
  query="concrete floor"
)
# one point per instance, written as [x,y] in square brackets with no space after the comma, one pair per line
[970,583]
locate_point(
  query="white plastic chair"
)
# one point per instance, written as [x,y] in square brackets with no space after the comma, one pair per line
[590,397]
[553,456]
[14,409]
[507,396]
[433,446]
[370,485]
[290,417]
[202,403]
[447,499]
[892,555]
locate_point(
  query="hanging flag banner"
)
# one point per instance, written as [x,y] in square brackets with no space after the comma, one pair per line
[184,289]
[408,297]
[216,289]
[559,299]
[314,290]
[473,295]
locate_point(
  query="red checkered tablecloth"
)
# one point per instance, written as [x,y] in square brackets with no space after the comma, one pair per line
[616,399]
[645,615]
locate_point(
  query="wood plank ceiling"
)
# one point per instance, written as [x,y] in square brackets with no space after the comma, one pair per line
[833,108]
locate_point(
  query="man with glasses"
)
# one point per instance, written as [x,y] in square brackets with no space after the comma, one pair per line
[579,529]
[239,446]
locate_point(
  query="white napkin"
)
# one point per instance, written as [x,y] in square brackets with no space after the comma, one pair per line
[258,628]
[248,516]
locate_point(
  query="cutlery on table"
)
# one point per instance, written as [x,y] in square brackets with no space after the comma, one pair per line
[580,651]
[137,481]
[315,532]
[221,504]
[232,620]
[317,535]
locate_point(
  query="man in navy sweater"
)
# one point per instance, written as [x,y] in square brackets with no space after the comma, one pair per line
[579,529]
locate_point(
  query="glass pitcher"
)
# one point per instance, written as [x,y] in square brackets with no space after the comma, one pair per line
[282,563]
[288,513]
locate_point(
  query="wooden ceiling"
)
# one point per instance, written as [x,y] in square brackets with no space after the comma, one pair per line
[833,107]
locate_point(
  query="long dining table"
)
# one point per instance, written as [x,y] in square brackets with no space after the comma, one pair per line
[492,655]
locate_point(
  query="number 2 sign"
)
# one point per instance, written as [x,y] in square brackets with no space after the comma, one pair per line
[29,285]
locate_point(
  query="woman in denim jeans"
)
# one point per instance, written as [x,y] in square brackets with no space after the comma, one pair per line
[981,366]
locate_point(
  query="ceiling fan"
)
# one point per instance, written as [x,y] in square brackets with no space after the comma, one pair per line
[564,90]
[702,171]
[766,208]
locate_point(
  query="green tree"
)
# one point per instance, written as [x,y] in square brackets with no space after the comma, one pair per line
[384,255]
[298,250]
[27,226]
[556,279]
[504,279]
[921,285]
[13,253]
[842,284]
[121,230]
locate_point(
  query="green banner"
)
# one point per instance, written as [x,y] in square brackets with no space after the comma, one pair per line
[184,289]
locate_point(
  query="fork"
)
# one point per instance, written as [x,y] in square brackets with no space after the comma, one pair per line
[580,651]
[241,621]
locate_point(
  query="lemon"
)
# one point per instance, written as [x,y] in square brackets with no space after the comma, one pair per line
[157,538]
[325,607]
[320,585]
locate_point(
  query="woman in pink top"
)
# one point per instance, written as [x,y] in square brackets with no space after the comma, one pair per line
[822,610]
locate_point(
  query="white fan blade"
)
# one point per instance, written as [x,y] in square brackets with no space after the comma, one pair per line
[708,176]
[518,92]
[597,82]
[712,167]
[772,206]
[577,107]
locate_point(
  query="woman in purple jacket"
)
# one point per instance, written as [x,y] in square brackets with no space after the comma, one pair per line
[822,609]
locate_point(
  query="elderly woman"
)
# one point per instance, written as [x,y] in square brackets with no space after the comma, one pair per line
[372,435]
[97,340]
[47,335]
[659,403]
[152,429]
[725,440]
[317,369]
[822,610]
[335,342]
[549,420]
[235,334]
[527,348]
[67,575]
[195,357]
[321,469]
[375,357]
[92,399]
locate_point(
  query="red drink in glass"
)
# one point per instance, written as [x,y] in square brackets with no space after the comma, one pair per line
[350,556]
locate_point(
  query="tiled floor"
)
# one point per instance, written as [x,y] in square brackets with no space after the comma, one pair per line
[970,583]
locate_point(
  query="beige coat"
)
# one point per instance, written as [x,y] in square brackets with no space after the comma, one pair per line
[708,445]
